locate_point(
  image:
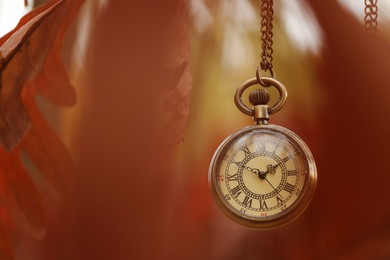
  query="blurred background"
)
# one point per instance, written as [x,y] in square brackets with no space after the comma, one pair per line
[155,89]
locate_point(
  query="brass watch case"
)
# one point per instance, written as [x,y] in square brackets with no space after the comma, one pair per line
[288,215]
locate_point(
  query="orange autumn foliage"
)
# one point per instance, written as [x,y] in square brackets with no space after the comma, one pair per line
[30,64]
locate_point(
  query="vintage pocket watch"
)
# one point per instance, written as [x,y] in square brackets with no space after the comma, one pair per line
[263,176]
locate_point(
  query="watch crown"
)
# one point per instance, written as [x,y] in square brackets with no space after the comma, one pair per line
[259,97]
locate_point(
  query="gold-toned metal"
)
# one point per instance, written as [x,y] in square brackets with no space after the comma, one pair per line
[263,176]
[259,97]
[261,114]
[253,81]
[259,77]
[371,16]
[266,30]
[287,215]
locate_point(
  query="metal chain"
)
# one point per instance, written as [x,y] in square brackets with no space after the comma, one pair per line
[266,27]
[371,16]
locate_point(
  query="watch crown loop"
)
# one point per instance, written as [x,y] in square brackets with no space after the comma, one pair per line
[259,98]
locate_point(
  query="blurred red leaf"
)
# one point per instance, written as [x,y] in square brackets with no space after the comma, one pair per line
[21,57]
[5,248]
[178,49]
[22,190]
[30,63]
[46,150]
[53,83]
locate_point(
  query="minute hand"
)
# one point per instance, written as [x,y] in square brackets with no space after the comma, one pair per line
[274,167]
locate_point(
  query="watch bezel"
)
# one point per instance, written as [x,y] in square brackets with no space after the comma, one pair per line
[290,214]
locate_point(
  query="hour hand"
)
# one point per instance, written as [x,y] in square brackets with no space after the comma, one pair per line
[255,171]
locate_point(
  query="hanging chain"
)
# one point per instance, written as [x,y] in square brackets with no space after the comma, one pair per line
[371,16]
[266,26]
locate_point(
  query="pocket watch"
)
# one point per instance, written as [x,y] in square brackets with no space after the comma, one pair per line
[263,176]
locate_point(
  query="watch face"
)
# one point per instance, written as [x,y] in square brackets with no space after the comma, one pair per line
[263,176]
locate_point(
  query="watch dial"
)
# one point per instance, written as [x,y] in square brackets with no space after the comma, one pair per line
[261,174]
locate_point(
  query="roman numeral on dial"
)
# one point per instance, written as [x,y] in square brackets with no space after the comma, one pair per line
[236,163]
[247,202]
[279,200]
[246,150]
[276,148]
[263,205]
[232,177]
[236,191]
[289,187]
[260,146]
[292,173]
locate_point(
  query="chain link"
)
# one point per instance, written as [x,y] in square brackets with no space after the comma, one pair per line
[266,26]
[371,16]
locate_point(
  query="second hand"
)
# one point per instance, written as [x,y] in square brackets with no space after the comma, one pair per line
[270,183]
